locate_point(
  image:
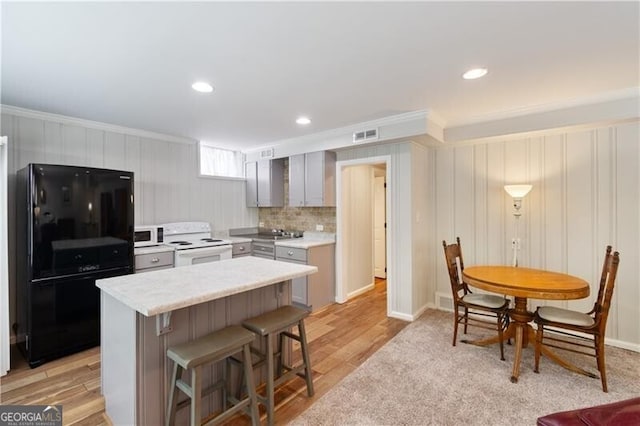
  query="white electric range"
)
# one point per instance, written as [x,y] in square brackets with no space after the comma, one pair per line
[193,243]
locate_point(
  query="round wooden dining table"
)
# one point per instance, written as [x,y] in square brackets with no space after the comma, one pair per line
[523,283]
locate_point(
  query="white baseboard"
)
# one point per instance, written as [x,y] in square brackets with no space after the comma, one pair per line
[401,316]
[415,316]
[359,291]
[621,344]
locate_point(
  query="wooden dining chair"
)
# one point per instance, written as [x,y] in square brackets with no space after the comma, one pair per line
[570,327]
[468,307]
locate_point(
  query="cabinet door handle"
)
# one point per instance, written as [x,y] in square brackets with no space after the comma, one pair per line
[241,248]
[155,260]
[290,253]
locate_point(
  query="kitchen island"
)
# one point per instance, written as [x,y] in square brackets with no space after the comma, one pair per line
[144,314]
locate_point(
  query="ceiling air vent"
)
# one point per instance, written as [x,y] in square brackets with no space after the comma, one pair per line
[365,135]
[267,153]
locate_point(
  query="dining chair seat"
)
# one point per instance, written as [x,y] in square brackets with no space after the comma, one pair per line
[485,300]
[586,330]
[565,316]
[470,308]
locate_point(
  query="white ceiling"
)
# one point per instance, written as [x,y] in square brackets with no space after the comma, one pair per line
[132,64]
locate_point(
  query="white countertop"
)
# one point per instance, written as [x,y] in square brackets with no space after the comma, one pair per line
[152,249]
[304,242]
[166,290]
[238,240]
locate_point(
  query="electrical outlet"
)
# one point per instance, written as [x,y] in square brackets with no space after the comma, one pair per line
[319,227]
[515,243]
[261,224]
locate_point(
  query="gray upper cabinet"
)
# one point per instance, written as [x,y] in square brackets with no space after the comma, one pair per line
[312,179]
[296,180]
[265,183]
[251,176]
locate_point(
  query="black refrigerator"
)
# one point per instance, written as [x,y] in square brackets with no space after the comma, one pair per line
[74,226]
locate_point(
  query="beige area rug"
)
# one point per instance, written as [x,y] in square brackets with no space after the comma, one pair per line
[418,378]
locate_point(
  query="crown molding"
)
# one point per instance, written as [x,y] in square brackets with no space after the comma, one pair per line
[536,133]
[392,128]
[630,92]
[73,121]
[603,109]
[436,118]
[348,130]
[578,116]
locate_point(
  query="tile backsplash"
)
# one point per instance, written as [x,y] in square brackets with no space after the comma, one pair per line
[297,218]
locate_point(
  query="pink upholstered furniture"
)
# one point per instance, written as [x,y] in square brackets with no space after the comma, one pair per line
[622,413]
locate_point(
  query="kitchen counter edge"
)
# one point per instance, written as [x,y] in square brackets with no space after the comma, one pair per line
[304,243]
[152,249]
[238,240]
[157,292]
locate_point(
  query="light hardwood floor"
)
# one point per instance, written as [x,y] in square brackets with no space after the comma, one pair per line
[341,337]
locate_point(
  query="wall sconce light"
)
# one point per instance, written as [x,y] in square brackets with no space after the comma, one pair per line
[517,192]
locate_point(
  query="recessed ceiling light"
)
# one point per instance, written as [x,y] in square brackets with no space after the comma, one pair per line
[474,73]
[303,120]
[201,86]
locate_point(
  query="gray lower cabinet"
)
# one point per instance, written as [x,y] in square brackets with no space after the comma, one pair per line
[317,290]
[153,261]
[240,249]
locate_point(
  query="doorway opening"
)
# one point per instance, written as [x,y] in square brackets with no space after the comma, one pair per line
[363,220]
[380,221]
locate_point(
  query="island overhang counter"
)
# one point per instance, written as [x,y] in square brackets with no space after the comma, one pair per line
[144,314]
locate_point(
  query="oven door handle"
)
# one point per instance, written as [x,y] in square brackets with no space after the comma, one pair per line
[205,251]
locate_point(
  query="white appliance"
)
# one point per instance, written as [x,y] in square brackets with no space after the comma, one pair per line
[148,235]
[193,244]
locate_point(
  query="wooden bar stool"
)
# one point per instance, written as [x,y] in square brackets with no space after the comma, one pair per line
[213,347]
[277,323]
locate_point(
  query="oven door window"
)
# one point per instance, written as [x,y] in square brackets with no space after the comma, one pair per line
[205,259]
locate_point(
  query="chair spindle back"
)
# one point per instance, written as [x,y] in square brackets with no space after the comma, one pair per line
[605,291]
[455,266]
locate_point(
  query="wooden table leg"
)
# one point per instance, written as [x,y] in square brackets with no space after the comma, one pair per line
[516,360]
[507,334]
[520,317]
[519,329]
[564,363]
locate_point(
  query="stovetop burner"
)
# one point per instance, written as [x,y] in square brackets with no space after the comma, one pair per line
[191,236]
